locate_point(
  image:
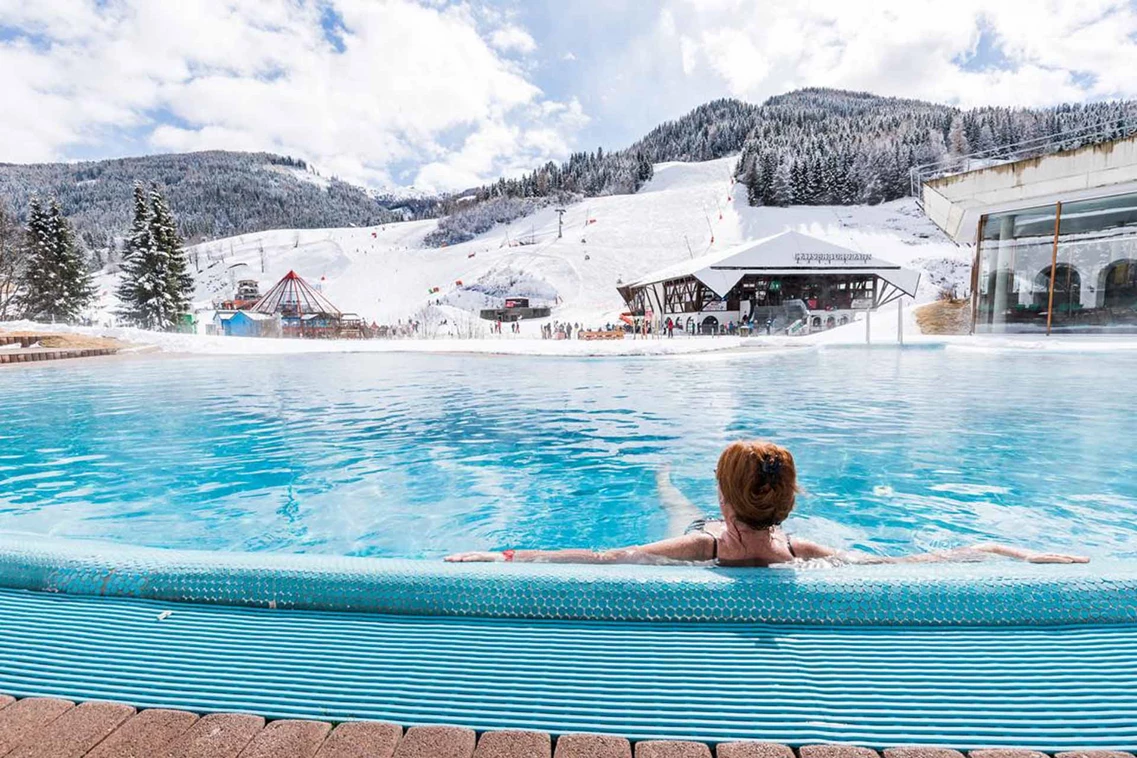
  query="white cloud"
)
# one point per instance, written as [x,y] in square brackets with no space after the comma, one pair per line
[681,53]
[261,75]
[910,48]
[513,39]
[445,90]
[528,148]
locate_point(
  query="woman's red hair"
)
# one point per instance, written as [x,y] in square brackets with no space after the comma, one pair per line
[758,481]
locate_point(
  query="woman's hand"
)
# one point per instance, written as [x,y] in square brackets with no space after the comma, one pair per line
[475,557]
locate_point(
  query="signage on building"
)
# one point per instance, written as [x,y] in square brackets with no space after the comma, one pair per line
[862,304]
[831,258]
[715,305]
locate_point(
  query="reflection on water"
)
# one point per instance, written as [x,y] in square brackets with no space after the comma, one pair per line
[417,455]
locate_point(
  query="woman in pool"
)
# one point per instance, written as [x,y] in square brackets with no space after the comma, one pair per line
[757,487]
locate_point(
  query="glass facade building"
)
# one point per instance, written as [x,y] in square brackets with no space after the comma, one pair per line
[1061,267]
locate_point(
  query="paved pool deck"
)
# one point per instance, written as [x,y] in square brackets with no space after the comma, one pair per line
[36,354]
[26,348]
[56,728]
[1053,689]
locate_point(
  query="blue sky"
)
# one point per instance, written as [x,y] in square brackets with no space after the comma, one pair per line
[442,95]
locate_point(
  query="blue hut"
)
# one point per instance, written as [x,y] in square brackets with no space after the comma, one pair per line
[250,324]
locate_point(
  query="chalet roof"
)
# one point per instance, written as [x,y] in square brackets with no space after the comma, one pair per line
[783,254]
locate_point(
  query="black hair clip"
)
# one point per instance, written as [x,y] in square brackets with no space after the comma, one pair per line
[771,467]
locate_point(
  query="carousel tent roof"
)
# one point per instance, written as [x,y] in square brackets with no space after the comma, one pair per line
[783,254]
[294,296]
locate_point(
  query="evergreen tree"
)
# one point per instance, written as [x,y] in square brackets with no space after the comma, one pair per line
[164,230]
[56,284]
[957,137]
[156,283]
[137,244]
[12,259]
[781,189]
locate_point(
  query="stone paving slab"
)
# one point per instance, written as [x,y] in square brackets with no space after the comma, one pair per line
[288,739]
[836,751]
[218,735]
[436,742]
[919,751]
[40,727]
[362,739]
[25,719]
[671,749]
[76,731]
[145,735]
[753,750]
[592,746]
[514,744]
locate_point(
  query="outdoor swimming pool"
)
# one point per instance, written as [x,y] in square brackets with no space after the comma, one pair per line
[269,475]
[415,456]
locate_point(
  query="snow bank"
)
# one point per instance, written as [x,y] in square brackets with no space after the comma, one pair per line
[883,333]
[201,344]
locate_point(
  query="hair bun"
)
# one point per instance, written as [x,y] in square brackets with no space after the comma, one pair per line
[771,467]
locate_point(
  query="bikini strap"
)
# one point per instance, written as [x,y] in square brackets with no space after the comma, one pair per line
[790,545]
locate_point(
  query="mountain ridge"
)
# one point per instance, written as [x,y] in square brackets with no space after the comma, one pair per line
[214,193]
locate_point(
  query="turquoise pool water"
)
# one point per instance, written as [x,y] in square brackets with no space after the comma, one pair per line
[417,456]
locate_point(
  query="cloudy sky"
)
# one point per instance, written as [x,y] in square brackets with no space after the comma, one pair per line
[444,95]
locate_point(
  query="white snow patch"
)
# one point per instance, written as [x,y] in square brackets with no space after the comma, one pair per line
[301,174]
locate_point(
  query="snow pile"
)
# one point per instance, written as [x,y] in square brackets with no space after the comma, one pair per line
[945,275]
[500,282]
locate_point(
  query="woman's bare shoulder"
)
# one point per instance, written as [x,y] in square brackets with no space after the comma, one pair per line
[693,546]
[809,550]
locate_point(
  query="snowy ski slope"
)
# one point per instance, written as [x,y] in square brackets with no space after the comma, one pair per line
[386,274]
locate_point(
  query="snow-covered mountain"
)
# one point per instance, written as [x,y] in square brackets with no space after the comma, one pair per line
[213,194]
[386,272]
[807,147]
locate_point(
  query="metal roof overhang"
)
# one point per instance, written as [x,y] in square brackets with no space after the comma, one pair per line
[722,279]
[956,202]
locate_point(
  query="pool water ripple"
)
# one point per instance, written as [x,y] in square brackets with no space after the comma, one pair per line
[418,455]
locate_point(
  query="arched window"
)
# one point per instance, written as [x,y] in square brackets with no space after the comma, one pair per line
[1119,284]
[1067,288]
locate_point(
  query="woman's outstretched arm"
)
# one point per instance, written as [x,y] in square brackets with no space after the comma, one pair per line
[971,553]
[690,547]
[1022,554]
